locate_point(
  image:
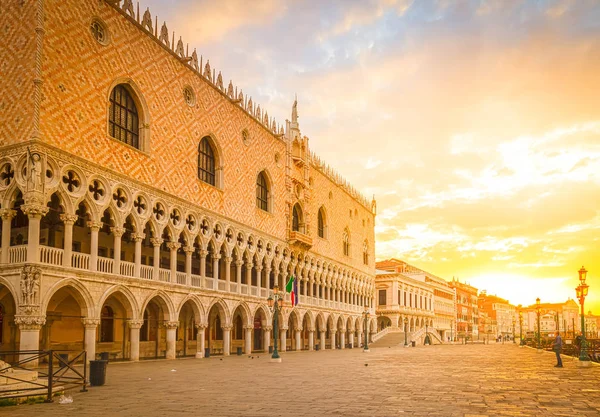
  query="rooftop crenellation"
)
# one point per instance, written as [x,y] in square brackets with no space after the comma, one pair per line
[203,69]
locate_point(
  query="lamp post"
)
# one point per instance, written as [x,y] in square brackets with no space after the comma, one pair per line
[366,316]
[538,312]
[405,331]
[582,292]
[275,304]
[451,334]
[513,334]
[521,328]
[427,341]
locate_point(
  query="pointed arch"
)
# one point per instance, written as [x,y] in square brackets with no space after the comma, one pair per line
[322,222]
[210,161]
[78,291]
[125,297]
[221,306]
[264,193]
[197,307]
[164,301]
[128,114]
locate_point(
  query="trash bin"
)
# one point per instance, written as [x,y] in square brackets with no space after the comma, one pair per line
[64,357]
[207,352]
[270,349]
[104,356]
[239,351]
[413,343]
[98,372]
[317,347]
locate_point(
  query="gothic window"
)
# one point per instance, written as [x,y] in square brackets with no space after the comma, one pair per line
[296,218]
[321,223]
[206,162]
[123,117]
[366,253]
[262,192]
[382,297]
[346,242]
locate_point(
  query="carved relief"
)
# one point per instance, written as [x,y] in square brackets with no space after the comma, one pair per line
[30,284]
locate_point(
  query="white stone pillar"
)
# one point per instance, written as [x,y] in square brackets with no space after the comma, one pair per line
[173,247]
[35,212]
[298,340]
[322,340]
[258,278]
[94,229]
[359,341]
[7,215]
[138,238]
[342,339]
[117,233]
[283,338]
[89,337]
[201,329]
[332,334]
[311,340]
[351,341]
[156,242]
[203,254]
[171,327]
[268,278]
[216,271]
[134,339]
[189,250]
[68,220]
[226,340]
[267,338]
[29,328]
[238,275]
[248,340]
[249,276]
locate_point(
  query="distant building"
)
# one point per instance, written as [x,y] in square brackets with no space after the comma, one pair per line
[467,310]
[500,316]
[563,317]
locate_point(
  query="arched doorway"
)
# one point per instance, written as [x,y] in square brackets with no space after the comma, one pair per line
[383,322]
[214,333]
[113,332]
[290,341]
[328,330]
[186,330]
[153,335]
[304,336]
[8,330]
[258,334]
[238,335]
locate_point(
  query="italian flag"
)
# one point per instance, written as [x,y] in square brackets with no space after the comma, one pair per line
[292,288]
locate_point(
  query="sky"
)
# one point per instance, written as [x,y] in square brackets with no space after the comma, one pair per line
[476,124]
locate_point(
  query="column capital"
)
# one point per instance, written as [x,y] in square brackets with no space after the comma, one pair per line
[203,253]
[226,328]
[34,209]
[69,218]
[30,322]
[249,327]
[156,241]
[298,329]
[90,323]
[249,265]
[117,231]
[201,326]
[95,226]
[239,262]
[189,249]
[171,324]
[135,324]
[173,245]
[7,213]
[216,256]
[138,237]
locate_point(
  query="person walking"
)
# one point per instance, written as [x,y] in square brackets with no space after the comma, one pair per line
[557,348]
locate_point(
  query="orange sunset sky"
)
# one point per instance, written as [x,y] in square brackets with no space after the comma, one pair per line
[476,124]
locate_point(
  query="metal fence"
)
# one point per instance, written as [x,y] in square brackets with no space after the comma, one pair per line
[55,372]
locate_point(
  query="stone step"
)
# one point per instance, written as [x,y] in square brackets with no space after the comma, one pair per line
[6,378]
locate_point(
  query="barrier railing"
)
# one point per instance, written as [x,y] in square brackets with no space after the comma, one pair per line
[68,375]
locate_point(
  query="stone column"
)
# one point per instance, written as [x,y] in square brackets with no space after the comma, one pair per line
[216,271]
[156,242]
[311,340]
[226,340]
[343,339]
[134,339]
[89,337]
[227,273]
[29,327]
[68,220]
[248,340]
[238,275]
[173,247]
[201,329]
[267,338]
[359,341]
[189,250]
[298,340]
[268,278]
[117,233]
[258,279]
[249,276]
[351,341]
[171,327]
[94,228]
[7,215]
[322,340]
[283,338]
[203,253]
[138,238]
[35,212]
[332,333]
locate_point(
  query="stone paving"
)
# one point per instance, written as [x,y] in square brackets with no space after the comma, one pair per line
[466,381]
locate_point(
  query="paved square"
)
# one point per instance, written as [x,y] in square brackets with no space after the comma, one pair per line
[473,380]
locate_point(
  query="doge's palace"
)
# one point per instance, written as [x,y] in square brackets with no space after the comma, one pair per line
[149,207]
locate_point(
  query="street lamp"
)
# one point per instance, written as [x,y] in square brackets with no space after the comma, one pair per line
[521,328]
[427,340]
[275,304]
[366,316]
[538,311]
[405,331]
[513,334]
[582,292]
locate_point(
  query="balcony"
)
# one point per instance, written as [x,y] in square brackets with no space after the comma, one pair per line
[300,239]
